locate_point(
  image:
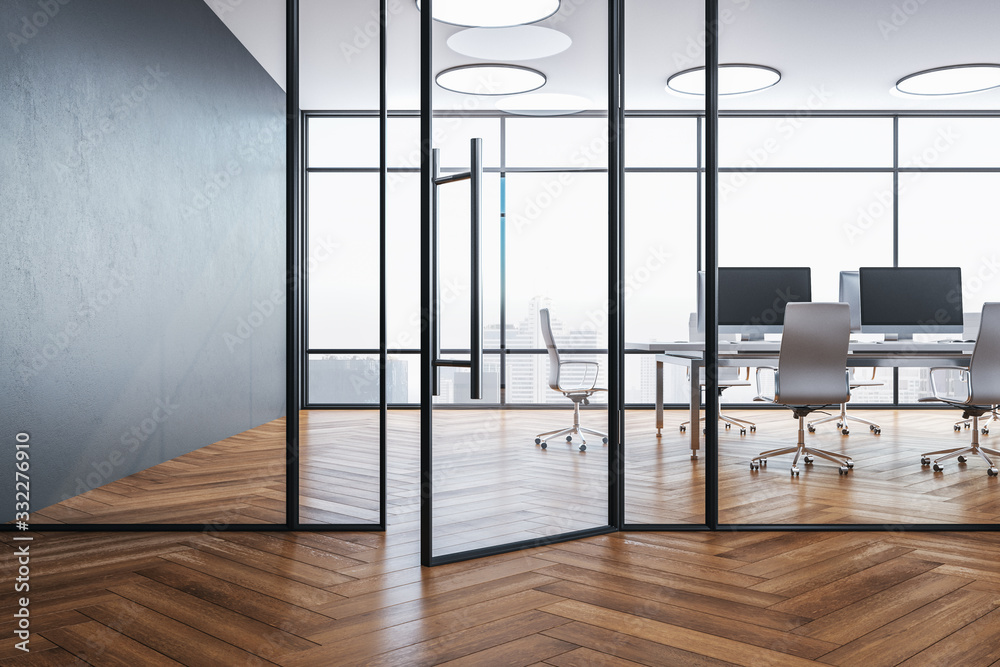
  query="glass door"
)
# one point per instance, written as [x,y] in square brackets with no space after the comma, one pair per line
[519,396]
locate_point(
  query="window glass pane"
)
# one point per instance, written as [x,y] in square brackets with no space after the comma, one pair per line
[660,255]
[348,378]
[402,261]
[403,138]
[557,142]
[343,260]
[455,382]
[931,206]
[343,142]
[949,142]
[752,143]
[557,257]
[661,142]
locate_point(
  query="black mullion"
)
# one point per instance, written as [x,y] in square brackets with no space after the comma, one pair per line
[616,175]
[711,263]
[895,231]
[426,303]
[383,343]
[698,194]
[292,264]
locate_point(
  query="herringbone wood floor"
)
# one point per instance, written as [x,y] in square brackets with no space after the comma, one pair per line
[214,598]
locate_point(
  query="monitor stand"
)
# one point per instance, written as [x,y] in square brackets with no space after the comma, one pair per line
[908,335]
[756,335]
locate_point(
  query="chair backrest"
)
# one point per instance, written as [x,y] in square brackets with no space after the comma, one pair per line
[550,345]
[984,367]
[812,363]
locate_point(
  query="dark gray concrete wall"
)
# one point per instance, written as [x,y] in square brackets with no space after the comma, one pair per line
[142,200]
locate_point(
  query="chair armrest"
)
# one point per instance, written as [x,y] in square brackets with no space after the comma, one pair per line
[586,375]
[760,394]
[937,370]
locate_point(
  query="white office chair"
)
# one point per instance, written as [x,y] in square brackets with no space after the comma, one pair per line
[811,373]
[982,391]
[578,393]
[729,376]
[843,417]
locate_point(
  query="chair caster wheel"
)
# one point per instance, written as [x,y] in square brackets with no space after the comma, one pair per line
[538,441]
[795,471]
[754,466]
[850,465]
[843,470]
[992,472]
[743,431]
[604,440]
[871,428]
[925,460]
[877,431]
[985,431]
[544,445]
[845,431]
[807,460]
[753,429]
[957,428]
[763,462]
[683,428]
[962,459]
[937,468]
[569,438]
[812,429]
[583,448]
[728,426]
[968,425]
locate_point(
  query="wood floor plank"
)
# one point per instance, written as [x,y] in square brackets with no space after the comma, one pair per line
[672,635]
[518,653]
[97,644]
[45,657]
[615,646]
[173,639]
[916,631]
[975,644]
[585,657]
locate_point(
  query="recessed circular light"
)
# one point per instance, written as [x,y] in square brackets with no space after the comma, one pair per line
[492,13]
[734,79]
[488,79]
[524,42]
[951,80]
[544,104]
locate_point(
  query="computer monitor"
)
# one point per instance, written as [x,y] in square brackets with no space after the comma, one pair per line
[752,300]
[905,301]
[850,293]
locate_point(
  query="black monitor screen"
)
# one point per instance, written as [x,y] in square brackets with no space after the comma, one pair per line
[920,300]
[756,297]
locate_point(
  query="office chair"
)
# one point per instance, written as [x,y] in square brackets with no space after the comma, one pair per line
[982,382]
[728,377]
[811,373]
[580,393]
[843,416]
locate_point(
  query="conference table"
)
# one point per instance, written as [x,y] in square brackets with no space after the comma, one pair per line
[754,354]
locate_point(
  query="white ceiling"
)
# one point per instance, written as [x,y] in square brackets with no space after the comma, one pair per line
[833,54]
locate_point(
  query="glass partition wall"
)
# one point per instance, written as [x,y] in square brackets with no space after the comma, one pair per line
[814,172]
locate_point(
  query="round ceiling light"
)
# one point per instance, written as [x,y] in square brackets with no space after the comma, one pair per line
[734,79]
[951,80]
[525,42]
[488,79]
[492,13]
[544,104]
